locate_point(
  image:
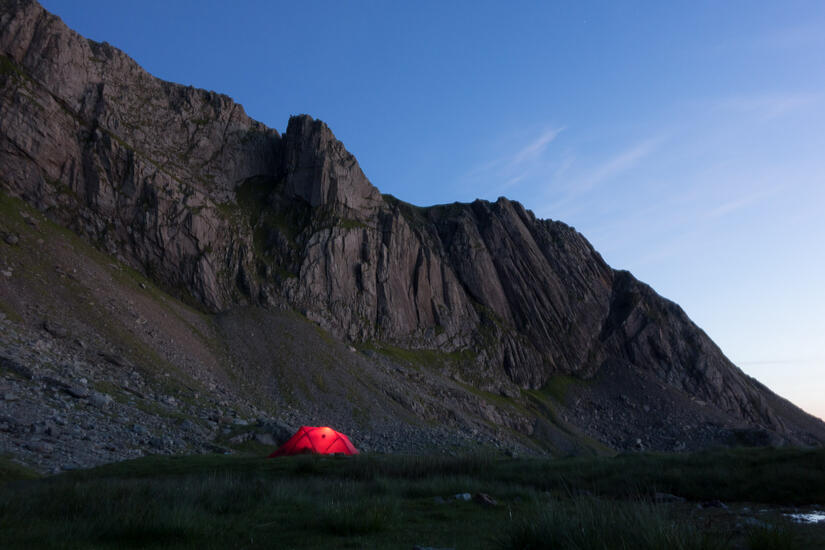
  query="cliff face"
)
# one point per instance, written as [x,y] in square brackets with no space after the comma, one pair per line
[182,185]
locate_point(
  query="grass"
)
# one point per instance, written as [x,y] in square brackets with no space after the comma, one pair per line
[773,537]
[375,501]
[590,523]
[348,223]
[558,385]
[12,471]
[8,67]
[10,313]
[421,358]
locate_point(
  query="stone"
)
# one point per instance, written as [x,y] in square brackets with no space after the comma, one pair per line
[55,329]
[714,504]
[14,365]
[265,439]
[240,438]
[113,358]
[40,447]
[100,400]
[138,429]
[509,391]
[188,425]
[667,498]
[280,432]
[78,391]
[484,499]
[11,239]
[156,442]
[463,496]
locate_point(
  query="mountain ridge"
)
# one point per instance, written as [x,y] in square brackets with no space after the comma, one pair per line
[215,207]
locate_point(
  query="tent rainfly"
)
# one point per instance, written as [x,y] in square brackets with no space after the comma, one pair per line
[316,440]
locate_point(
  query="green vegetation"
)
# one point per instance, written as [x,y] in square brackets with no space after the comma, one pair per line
[398,501]
[12,471]
[558,385]
[774,537]
[10,313]
[586,522]
[270,220]
[9,68]
[415,215]
[418,358]
[347,223]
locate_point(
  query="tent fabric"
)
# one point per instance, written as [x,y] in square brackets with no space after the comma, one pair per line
[316,440]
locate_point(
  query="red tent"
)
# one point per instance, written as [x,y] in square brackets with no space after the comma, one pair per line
[322,441]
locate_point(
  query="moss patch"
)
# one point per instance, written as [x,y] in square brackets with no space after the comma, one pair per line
[12,471]
[417,358]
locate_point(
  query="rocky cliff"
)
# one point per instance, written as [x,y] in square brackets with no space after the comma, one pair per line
[218,209]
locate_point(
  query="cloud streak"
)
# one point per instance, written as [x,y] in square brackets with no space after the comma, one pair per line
[770,105]
[520,165]
[804,360]
[534,149]
[742,202]
[618,164]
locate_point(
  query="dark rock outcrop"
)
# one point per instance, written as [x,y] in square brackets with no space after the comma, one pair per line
[183,186]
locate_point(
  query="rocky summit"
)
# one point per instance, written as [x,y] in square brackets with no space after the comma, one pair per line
[179,277]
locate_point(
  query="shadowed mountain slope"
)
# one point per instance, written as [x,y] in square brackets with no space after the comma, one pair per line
[224,213]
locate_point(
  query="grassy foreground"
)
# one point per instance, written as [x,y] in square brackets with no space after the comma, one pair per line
[402,501]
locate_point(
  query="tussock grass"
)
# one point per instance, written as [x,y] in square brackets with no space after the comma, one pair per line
[399,501]
[773,537]
[12,471]
[587,523]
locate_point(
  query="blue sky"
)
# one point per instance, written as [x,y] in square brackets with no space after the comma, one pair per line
[685,140]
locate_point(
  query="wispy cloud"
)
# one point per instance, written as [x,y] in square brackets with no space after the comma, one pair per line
[796,361]
[783,361]
[535,148]
[802,36]
[517,166]
[564,200]
[769,105]
[618,164]
[744,201]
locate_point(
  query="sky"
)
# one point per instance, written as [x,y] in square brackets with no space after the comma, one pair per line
[685,140]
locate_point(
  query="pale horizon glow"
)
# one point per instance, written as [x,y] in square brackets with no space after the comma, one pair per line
[685,141]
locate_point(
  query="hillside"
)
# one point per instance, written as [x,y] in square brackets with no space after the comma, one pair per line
[240,276]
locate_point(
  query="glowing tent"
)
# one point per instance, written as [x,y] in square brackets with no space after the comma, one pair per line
[322,441]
